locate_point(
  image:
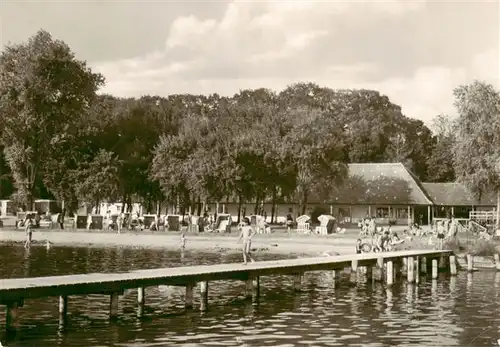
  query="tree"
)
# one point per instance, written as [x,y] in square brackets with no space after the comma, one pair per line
[43,88]
[440,157]
[315,149]
[476,150]
[97,179]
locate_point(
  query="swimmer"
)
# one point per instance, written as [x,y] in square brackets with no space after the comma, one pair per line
[246,234]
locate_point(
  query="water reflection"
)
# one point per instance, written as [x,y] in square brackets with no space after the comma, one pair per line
[453,284]
[368,314]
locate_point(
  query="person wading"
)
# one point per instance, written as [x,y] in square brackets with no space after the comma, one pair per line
[246,234]
[28,225]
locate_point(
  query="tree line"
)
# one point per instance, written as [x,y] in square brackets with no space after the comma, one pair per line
[60,139]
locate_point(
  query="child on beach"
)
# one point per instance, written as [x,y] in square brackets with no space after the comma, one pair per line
[246,234]
[358,246]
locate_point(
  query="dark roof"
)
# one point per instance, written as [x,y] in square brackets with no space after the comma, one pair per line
[378,183]
[456,194]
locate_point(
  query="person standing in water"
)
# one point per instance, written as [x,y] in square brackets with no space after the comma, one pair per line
[183,241]
[28,225]
[246,234]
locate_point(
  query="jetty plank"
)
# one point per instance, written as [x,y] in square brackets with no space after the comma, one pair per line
[106,283]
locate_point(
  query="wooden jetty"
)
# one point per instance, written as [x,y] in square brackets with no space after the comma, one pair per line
[379,266]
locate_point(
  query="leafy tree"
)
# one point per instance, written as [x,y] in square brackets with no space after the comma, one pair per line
[315,148]
[476,150]
[42,89]
[440,157]
[97,179]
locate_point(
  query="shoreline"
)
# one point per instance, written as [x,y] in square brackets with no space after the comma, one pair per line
[309,245]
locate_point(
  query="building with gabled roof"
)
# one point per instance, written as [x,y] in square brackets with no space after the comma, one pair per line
[455,199]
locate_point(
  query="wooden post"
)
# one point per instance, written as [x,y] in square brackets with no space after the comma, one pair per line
[334,275]
[354,266]
[404,268]
[63,309]
[379,274]
[369,272]
[249,287]
[297,282]
[423,265]
[429,213]
[203,295]
[389,272]
[470,263]
[497,261]
[417,270]
[113,306]
[434,286]
[453,265]
[256,286]
[188,299]
[141,296]
[410,271]
[12,319]
[434,269]
[453,283]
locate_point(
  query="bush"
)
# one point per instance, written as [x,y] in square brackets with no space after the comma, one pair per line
[483,248]
[480,248]
[455,245]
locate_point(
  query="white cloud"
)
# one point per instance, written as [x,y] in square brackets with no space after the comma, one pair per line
[274,43]
[429,91]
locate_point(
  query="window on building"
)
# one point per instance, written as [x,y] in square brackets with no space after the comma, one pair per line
[382,212]
[401,213]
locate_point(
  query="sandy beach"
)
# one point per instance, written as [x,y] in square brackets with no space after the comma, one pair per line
[273,243]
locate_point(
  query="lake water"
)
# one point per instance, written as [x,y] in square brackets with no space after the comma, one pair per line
[463,311]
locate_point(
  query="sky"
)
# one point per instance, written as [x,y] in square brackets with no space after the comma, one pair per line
[415,52]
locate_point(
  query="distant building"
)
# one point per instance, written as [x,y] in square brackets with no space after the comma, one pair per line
[387,191]
[454,199]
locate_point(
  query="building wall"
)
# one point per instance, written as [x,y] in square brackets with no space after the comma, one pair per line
[248,209]
[343,213]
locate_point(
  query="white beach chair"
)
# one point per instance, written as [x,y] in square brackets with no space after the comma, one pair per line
[303,225]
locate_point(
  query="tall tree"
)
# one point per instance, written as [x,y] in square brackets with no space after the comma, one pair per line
[476,151]
[440,157]
[42,89]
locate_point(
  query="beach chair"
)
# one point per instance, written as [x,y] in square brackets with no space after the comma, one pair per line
[327,225]
[173,222]
[303,225]
[259,223]
[223,223]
